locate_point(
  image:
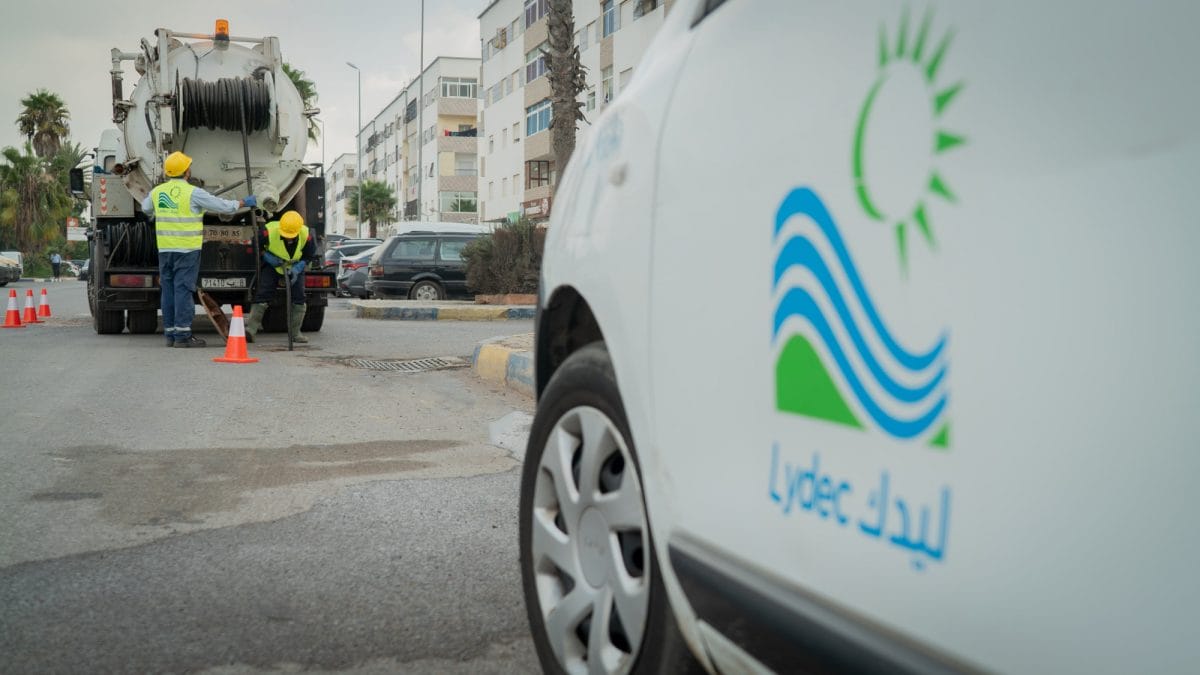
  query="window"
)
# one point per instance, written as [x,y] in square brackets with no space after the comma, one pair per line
[516,183]
[459,87]
[584,35]
[491,189]
[504,186]
[535,63]
[644,7]
[504,137]
[431,169]
[625,13]
[535,10]
[452,249]
[485,52]
[606,83]
[609,8]
[349,172]
[464,164]
[413,249]
[508,86]
[491,144]
[591,100]
[482,166]
[625,76]
[516,132]
[537,174]
[537,118]
[514,28]
[516,80]
[458,202]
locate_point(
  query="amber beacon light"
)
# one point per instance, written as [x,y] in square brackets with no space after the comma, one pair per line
[222,32]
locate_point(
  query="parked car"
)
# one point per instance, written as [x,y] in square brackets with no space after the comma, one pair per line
[904,384]
[17,257]
[420,266]
[352,276]
[329,260]
[83,270]
[10,270]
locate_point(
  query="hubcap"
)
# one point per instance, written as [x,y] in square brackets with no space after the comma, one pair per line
[590,545]
[426,293]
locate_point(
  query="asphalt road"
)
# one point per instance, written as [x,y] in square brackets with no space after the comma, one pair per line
[161,512]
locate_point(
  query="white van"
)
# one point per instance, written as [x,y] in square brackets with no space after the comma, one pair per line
[867,342]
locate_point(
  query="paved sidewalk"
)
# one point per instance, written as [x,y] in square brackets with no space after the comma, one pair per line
[506,361]
[410,310]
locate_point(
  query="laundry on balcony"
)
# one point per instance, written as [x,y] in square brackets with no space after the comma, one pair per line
[465,132]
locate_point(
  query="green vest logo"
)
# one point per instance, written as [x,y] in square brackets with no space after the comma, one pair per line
[165,202]
[837,358]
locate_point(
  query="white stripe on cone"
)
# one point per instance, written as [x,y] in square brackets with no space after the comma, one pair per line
[12,302]
[237,327]
[29,300]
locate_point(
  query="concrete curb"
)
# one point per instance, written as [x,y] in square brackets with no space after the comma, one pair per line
[503,365]
[367,309]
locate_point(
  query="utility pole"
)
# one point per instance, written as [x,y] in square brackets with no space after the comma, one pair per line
[358,150]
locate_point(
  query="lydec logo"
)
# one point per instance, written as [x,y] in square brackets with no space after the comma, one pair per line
[837,357]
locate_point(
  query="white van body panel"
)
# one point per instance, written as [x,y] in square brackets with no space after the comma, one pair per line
[1050,150]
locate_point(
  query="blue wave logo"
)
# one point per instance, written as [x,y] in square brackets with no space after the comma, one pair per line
[836,358]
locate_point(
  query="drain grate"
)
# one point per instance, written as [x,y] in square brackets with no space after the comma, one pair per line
[411,366]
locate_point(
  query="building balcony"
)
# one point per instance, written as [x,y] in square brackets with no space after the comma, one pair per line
[464,144]
[537,146]
[459,107]
[458,184]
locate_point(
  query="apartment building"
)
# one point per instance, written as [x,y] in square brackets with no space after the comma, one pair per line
[516,163]
[424,146]
[340,176]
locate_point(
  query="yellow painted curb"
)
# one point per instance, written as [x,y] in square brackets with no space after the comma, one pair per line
[472,313]
[492,364]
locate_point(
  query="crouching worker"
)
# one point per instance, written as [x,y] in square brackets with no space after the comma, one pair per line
[286,248]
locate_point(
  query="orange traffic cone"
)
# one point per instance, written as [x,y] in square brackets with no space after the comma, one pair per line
[44,305]
[235,346]
[12,318]
[30,310]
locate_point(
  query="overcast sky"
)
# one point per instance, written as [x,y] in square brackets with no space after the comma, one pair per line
[64,47]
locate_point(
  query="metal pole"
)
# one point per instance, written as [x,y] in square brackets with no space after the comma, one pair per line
[421,119]
[358,151]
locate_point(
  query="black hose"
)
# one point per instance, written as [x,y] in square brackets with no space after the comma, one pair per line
[215,105]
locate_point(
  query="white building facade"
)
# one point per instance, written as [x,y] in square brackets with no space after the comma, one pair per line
[340,179]
[424,147]
[612,36]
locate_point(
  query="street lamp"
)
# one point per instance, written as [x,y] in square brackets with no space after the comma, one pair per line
[358,149]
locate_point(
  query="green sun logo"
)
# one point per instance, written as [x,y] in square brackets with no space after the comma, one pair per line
[899,137]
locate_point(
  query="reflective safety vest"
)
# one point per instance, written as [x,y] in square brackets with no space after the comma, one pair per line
[275,245]
[177,228]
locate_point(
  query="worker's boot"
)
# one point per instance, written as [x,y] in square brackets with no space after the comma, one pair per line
[294,325]
[254,323]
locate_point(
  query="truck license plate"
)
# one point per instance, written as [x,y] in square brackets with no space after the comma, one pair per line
[231,234]
[231,282]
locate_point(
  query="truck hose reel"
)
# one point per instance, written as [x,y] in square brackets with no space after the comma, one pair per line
[214,105]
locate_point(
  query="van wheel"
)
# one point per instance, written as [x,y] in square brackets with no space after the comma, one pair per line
[108,322]
[427,291]
[593,593]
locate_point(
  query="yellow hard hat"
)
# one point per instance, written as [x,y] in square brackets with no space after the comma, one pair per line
[177,164]
[290,224]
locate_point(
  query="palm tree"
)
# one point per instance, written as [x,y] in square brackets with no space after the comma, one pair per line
[378,200]
[308,95]
[566,75]
[44,122]
[33,204]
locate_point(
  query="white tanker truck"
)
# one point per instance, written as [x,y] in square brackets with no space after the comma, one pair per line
[226,102]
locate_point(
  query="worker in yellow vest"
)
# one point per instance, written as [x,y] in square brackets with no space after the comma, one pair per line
[287,248]
[178,209]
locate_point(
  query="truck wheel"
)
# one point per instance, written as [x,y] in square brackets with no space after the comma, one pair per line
[143,321]
[107,321]
[313,318]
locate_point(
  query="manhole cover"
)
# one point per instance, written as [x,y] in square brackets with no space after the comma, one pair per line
[411,366]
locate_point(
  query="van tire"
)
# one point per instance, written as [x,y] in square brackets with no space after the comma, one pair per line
[314,318]
[587,380]
[107,321]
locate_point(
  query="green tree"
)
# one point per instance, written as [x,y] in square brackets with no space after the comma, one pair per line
[44,122]
[378,203]
[566,75]
[33,202]
[308,95]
